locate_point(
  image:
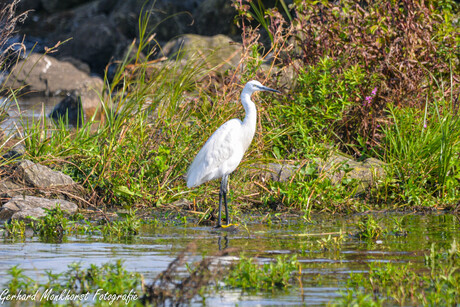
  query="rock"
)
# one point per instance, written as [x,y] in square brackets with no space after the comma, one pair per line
[80,65]
[218,52]
[214,17]
[40,176]
[94,41]
[15,152]
[181,203]
[53,6]
[8,188]
[285,75]
[71,106]
[19,207]
[45,75]
[370,170]
[25,5]
[68,108]
[336,167]
[278,172]
[169,18]
[100,28]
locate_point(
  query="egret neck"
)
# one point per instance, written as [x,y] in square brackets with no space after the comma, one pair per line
[250,119]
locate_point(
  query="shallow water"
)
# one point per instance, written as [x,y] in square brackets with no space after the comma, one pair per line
[154,248]
[26,111]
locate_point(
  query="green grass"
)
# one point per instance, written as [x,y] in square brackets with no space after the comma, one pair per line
[158,116]
[421,148]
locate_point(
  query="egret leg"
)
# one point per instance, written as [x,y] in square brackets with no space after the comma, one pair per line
[223,195]
[227,216]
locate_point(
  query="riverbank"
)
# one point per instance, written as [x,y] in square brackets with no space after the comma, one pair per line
[343,137]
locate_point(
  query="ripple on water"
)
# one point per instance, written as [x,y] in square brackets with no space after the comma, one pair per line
[154,248]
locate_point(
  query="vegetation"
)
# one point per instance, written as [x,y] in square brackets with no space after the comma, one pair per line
[250,276]
[8,54]
[55,227]
[367,80]
[382,83]
[101,285]
[369,228]
[430,279]
[437,285]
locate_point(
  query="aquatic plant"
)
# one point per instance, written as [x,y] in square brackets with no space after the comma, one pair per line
[248,275]
[331,242]
[19,281]
[369,228]
[101,285]
[126,228]
[15,228]
[404,284]
[55,226]
[52,227]
[110,283]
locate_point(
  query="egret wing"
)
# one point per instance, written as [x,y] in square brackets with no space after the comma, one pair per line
[217,154]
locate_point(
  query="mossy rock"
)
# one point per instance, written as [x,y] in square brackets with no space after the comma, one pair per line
[337,167]
[218,52]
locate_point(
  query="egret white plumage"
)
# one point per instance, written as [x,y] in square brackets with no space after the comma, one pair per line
[223,151]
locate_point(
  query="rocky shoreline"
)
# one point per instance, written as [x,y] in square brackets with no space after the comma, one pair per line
[30,188]
[73,73]
[102,30]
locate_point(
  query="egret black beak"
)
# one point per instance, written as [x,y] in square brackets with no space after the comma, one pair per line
[264,88]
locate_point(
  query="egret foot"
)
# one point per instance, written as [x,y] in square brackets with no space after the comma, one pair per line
[227,228]
[229,225]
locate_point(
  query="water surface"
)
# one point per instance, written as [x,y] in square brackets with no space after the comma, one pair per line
[324,273]
[26,111]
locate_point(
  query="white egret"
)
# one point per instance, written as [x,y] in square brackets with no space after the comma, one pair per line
[223,151]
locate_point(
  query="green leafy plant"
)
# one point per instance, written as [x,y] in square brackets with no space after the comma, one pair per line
[248,275]
[126,228]
[15,228]
[369,228]
[53,226]
[330,242]
[325,92]
[107,283]
[20,282]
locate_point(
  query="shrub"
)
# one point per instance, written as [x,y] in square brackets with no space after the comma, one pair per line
[394,44]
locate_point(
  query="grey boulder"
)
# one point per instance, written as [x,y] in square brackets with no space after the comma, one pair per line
[22,207]
[40,176]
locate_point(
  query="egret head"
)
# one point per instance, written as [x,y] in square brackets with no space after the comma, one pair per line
[254,86]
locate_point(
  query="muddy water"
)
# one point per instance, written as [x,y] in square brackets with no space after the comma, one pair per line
[324,273]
